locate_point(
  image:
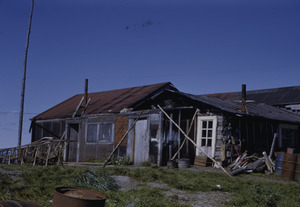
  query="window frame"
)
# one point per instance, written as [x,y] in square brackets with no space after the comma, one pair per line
[281,138]
[98,133]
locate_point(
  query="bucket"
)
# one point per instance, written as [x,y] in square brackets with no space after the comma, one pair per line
[297,168]
[77,197]
[279,162]
[288,168]
[172,164]
[19,204]
[290,150]
[183,163]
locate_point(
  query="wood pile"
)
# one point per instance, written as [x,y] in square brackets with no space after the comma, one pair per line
[252,163]
[45,151]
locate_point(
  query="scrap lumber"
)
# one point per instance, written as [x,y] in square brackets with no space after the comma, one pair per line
[253,163]
[192,141]
[268,162]
[272,146]
[78,106]
[122,139]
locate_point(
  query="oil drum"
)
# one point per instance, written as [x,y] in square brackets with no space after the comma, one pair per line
[77,197]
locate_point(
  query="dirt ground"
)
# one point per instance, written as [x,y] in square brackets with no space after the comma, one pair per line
[209,199]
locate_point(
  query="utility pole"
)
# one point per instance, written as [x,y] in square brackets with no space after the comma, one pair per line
[24,77]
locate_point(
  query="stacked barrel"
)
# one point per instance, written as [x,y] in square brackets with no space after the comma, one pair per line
[288,165]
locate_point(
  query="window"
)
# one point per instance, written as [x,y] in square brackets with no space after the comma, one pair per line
[207,133]
[105,132]
[99,133]
[287,136]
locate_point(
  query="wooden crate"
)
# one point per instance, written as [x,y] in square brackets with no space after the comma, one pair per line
[202,161]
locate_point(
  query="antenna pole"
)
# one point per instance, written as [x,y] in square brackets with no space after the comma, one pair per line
[24,77]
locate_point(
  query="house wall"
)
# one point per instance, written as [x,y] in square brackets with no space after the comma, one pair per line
[152,138]
[95,151]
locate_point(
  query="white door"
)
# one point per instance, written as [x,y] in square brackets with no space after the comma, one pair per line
[141,146]
[206,135]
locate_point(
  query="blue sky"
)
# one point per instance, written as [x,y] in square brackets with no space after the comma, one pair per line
[201,46]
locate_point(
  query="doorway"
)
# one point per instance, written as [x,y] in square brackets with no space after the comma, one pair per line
[206,135]
[73,145]
[141,143]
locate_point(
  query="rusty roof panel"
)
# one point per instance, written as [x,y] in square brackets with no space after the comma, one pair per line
[104,102]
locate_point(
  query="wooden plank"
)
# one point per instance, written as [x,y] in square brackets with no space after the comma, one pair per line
[74,114]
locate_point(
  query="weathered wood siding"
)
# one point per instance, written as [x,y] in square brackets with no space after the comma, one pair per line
[95,151]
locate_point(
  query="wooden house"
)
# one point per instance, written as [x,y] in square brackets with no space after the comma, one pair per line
[220,128]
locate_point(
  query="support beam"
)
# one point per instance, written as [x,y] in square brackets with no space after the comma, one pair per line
[193,142]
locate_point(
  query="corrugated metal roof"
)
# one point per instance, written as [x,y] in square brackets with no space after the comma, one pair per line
[105,102]
[254,109]
[275,96]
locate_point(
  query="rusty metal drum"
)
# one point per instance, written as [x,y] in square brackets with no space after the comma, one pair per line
[77,197]
[288,167]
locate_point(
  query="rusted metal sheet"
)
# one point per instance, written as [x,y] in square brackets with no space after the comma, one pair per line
[121,126]
[77,197]
[104,102]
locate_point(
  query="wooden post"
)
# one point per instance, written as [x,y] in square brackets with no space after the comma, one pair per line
[194,142]
[186,133]
[48,153]
[178,134]
[24,77]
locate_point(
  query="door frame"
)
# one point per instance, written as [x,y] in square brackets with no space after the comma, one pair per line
[200,119]
[67,154]
[146,144]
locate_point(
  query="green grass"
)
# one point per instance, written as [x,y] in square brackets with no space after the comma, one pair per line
[38,183]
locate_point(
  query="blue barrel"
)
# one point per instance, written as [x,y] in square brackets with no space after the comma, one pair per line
[279,162]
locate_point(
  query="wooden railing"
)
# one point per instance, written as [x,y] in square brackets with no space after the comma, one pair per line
[45,151]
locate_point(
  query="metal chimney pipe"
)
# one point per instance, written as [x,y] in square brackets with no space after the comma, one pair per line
[86,91]
[243,109]
[244,92]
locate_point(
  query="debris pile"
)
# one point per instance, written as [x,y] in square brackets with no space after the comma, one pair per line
[252,163]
